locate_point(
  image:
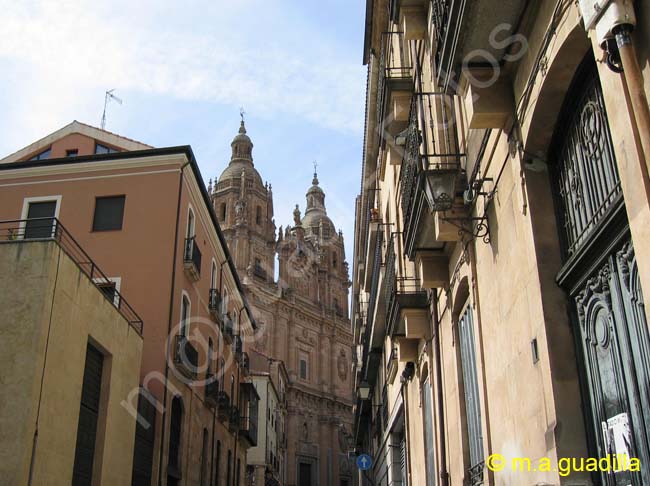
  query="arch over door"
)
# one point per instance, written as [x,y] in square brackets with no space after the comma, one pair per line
[601,276]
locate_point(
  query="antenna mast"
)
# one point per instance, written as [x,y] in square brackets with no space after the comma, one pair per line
[107,97]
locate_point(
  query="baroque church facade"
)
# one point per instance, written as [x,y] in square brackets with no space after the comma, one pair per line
[302,315]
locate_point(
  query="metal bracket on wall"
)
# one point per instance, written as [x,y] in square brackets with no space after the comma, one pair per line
[474,226]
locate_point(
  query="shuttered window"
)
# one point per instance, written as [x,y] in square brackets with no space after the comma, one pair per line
[402,460]
[144,441]
[109,213]
[82,472]
[428,433]
[470,383]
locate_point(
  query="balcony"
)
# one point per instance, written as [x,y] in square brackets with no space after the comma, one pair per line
[192,258]
[227,328]
[238,347]
[245,363]
[211,391]
[185,357]
[214,305]
[394,83]
[392,365]
[407,304]
[476,21]
[430,171]
[248,425]
[223,405]
[233,419]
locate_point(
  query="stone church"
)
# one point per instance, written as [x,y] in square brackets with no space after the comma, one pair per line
[302,315]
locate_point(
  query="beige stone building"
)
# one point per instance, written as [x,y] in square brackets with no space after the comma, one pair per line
[500,244]
[302,313]
[145,217]
[70,354]
[266,461]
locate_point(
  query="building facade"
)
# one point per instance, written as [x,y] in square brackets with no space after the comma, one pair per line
[70,354]
[302,314]
[266,461]
[145,217]
[500,236]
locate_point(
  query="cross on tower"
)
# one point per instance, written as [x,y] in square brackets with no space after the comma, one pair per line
[315,166]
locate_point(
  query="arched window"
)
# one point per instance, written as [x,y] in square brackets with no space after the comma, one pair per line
[190,223]
[334,259]
[222,212]
[175,429]
[185,315]
[258,215]
[213,276]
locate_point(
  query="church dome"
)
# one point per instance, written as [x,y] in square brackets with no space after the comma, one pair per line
[241,159]
[316,214]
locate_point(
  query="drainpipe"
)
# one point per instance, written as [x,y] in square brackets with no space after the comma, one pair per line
[444,474]
[633,79]
[169,322]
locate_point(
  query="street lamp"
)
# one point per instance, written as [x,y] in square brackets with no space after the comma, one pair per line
[441,186]
[363,390]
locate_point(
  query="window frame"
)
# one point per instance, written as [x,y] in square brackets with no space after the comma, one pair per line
[93,229]
[184,323]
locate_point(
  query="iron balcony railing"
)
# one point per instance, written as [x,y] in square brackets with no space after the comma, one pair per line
[234,418]
[374,280]
[440,10]
[227,328]
[475,474]
[44,229]
[238,346]
[401,292]
[214,304]
[432,146]
[192,254]
[394,69]
[186,357]
[212,386]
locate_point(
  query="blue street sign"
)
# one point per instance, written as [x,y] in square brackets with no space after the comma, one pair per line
[364,462]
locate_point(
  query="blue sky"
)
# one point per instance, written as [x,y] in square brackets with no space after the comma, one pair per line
[183,70]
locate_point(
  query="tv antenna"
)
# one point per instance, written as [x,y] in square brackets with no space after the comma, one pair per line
[108,96]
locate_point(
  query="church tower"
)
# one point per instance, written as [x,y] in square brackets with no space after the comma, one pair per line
[244,207]
[312,255]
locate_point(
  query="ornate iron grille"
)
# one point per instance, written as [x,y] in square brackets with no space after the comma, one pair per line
[431,145]
[585,173]
[394,65]
[439,22]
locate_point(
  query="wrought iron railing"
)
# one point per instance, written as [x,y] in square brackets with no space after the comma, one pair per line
[186,357]
[374,280]
[214,302]
[192,253]
[440,10]
[40,229]
[475,474]
[394,65]
[432,144]
[401,291]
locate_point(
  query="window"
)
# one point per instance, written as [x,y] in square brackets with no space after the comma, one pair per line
[258,215]
[109,213]
[45,154]
[103,149]
[41,210]
[218,463]
[222,212]
[470,384]
[209,358]
[190,223]
[303,368]
[229,467]
[238,472]
[110,287]
[204,460]
[213,276]
[429,442]
[334,260]
[72,152]
[232,389]
[175,428]
[82,472]
[185,316]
